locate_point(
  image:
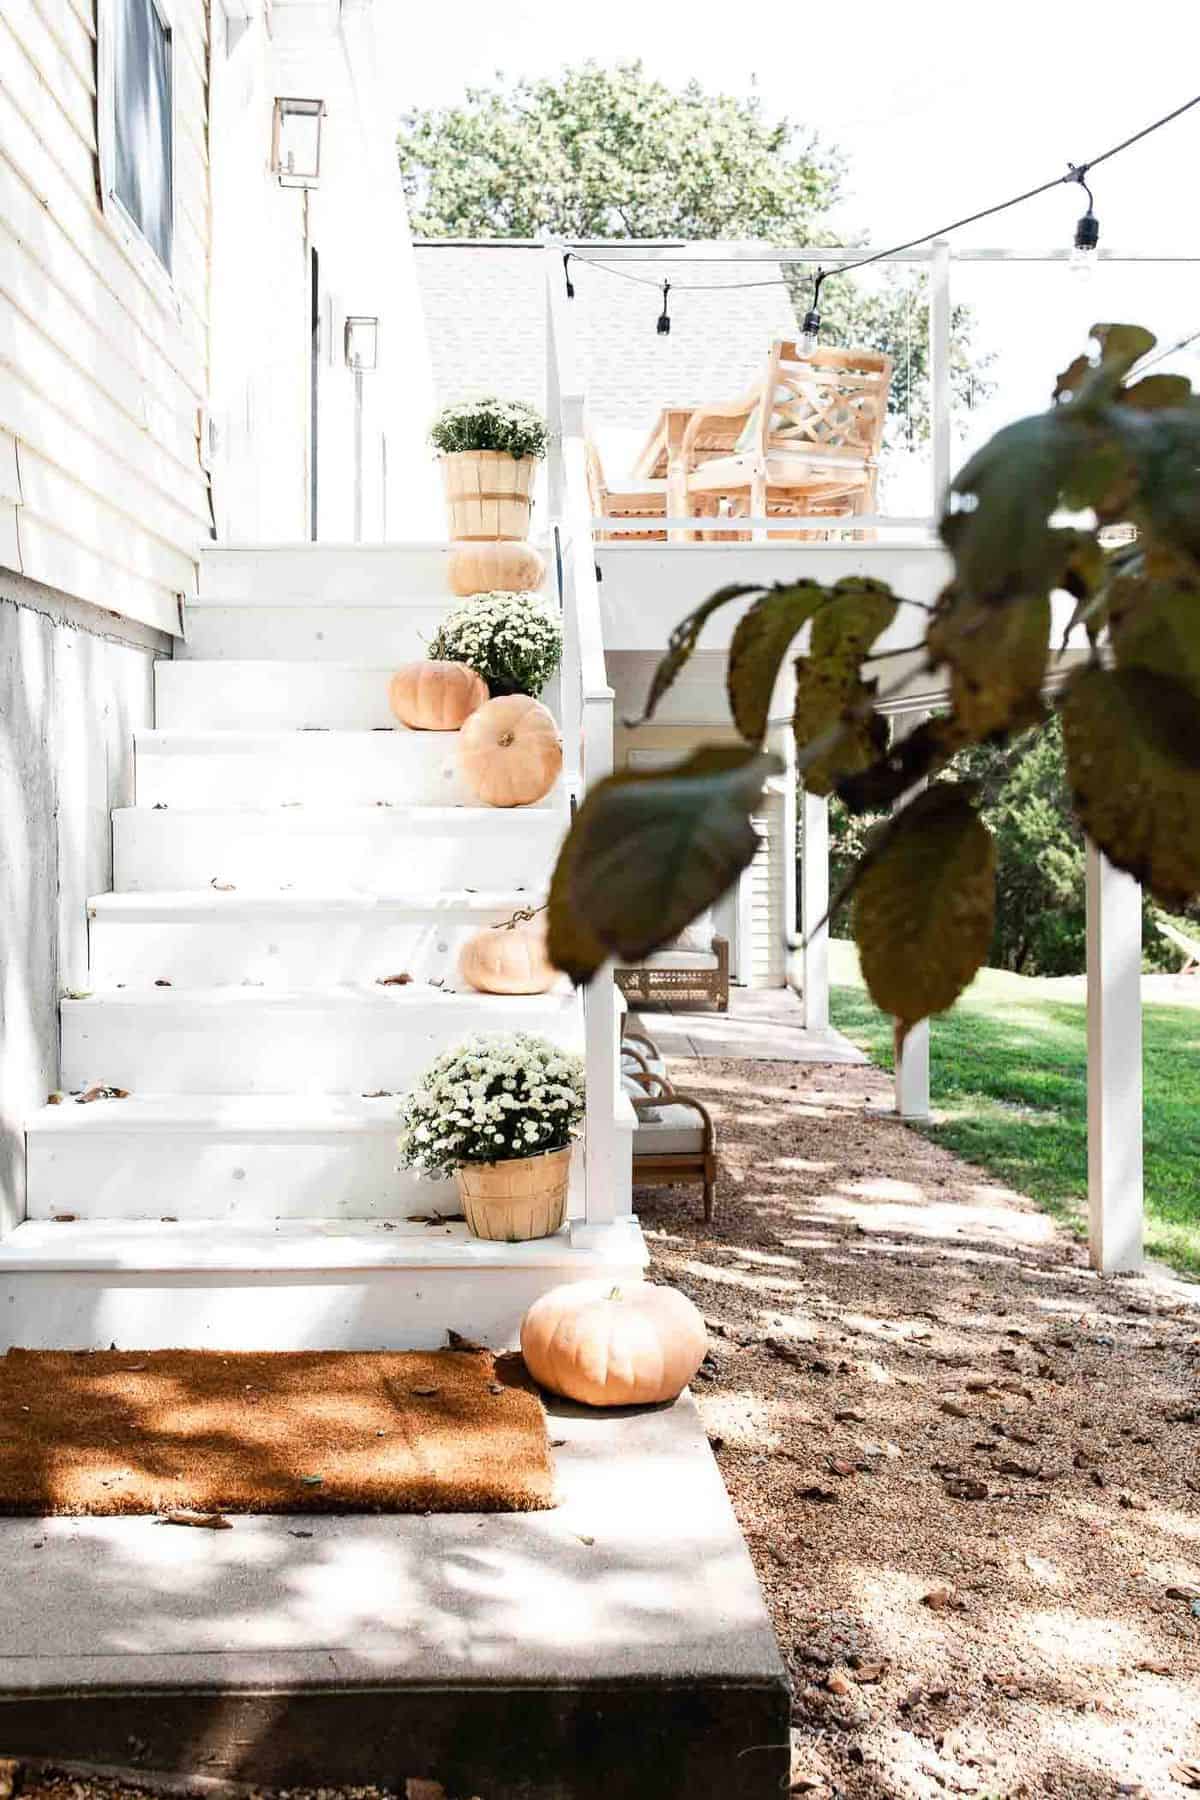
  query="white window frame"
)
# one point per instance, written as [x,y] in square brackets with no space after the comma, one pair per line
[123,226]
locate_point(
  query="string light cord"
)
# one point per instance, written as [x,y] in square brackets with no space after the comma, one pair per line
[1076,172]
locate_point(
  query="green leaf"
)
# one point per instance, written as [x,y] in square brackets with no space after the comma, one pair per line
[909,760]
[1154,620]
[924,904]
[997,660]
[683,641]
[832,700]
[1163,448]
[760,643]
[1121,346]
[1154,391]
[648,850]
[1132,740]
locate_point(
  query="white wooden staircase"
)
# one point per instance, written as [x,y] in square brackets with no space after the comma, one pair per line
[290,849]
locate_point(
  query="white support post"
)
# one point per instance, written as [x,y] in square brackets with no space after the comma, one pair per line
[912,1061]
[939,370]
[1114,1047]
[814,908]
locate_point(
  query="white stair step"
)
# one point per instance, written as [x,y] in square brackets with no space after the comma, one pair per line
[339,574]
[245,1158]
[213,939]
[329,768]
[297,1284]
[377,849]
[254,1041]
[318,632]
[271,696]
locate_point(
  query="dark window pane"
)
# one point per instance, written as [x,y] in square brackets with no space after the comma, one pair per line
[142,96]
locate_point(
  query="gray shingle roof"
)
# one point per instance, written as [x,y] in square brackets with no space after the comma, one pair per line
[484,310]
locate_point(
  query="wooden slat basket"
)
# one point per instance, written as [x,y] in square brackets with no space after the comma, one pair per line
[517,1200]
[489,495]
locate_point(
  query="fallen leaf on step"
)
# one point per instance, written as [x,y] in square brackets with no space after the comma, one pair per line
[303,1534]
[456,1341]
[222,887]
[54,1099]
[101,1092]
[589,1541]
[205,1521]
[401,980]
[63,1218]
[162,981]
[380,1094]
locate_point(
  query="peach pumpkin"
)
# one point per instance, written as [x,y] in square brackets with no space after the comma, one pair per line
[510,752]
[436,696]
[485,568]
[509,959]
[632,1345]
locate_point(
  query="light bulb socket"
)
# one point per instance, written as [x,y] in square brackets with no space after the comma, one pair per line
[1087,232]
[664,317]
[811,328]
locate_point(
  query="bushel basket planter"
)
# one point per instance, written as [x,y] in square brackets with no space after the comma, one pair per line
[489,495]
[525,1197]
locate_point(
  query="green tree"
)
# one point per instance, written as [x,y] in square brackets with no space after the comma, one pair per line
[601,153]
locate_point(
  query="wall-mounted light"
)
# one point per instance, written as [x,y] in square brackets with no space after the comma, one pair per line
[362,341]
[296,142]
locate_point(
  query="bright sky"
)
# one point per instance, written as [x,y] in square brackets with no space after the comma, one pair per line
[941,107]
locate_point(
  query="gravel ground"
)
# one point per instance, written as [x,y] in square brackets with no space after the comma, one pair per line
[967,1469]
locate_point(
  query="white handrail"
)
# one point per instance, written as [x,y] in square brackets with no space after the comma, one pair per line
[587,703]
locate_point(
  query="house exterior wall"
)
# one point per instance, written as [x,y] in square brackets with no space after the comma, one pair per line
[74,686]
[103,369]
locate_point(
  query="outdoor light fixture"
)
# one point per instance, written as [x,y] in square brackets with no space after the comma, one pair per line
[296,142]
[664,317]
[810,331]
[1085,251]
[362,342]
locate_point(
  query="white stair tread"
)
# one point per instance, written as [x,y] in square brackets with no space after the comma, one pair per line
[240,1115]
[381,1000]
[354,821]
[319,1244]
[185,904]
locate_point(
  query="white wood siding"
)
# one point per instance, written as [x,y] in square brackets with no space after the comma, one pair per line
[102,373]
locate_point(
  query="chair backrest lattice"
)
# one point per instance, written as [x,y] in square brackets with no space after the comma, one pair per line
[833,402]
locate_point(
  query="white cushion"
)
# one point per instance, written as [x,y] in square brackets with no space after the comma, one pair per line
[696,936]
[631,1086]
[678,1131]
[637,1065]
[696,960]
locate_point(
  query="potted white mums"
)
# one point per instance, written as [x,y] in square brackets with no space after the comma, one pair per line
[490,450]
[500,1113]
[514,641]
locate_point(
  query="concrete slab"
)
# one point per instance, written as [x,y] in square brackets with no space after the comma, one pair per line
[762,1024]
[616,1646]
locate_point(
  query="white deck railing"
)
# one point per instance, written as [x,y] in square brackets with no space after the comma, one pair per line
[587,708]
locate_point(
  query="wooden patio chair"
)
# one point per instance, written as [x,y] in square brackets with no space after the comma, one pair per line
[694,967]
[809,442]
[647,501]
[675,1140]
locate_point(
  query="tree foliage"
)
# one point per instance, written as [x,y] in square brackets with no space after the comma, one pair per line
[1128,451]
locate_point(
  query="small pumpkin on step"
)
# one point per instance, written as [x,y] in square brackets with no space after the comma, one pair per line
[435,696]
[484,568]
[510,751]
[635,1344]
[509,958]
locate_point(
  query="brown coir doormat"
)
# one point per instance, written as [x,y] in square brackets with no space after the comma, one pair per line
[161,1431]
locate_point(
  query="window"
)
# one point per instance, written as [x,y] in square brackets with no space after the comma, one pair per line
[137,126]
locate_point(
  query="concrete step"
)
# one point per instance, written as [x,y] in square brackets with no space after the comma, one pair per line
[376,849]
[239,1157]
[279,695]
[292,631]
[284,1284]
[254,1041]
[317,768]
[333,574]
[614,1648]
[214,939]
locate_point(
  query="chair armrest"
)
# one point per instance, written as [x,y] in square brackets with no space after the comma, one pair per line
[639,1057]
[733,410]
[721,952]
[635,1038]
[669,1096]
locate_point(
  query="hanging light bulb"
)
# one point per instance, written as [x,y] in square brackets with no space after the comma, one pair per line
[664,317]
[810,330]
[1085,251]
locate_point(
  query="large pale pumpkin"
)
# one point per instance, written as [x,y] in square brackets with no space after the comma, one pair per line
[510,752]
[435,696]
[488,568]
[633,1345]
[509,959]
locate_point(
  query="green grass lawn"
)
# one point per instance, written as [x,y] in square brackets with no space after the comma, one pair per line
[1009,1086]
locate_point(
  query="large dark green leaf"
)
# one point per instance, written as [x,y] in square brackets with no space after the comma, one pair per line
[838,732]
[760,643]
[914,758]
[924,905]
[648,850]
[683,641]
[1132,740]
[1153,619]
[997,660]
[1163,448]
[1121,348]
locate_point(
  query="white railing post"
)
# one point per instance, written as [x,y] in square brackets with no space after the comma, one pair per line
[940,397]
[1114,1066]
[588,740]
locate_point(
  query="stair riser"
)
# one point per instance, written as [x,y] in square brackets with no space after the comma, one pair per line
[346,573]
[417,768]
[385,1310]
[279,955]
[191,1175]
[168,851]
[270,696]
[363,634]
[158,1049]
